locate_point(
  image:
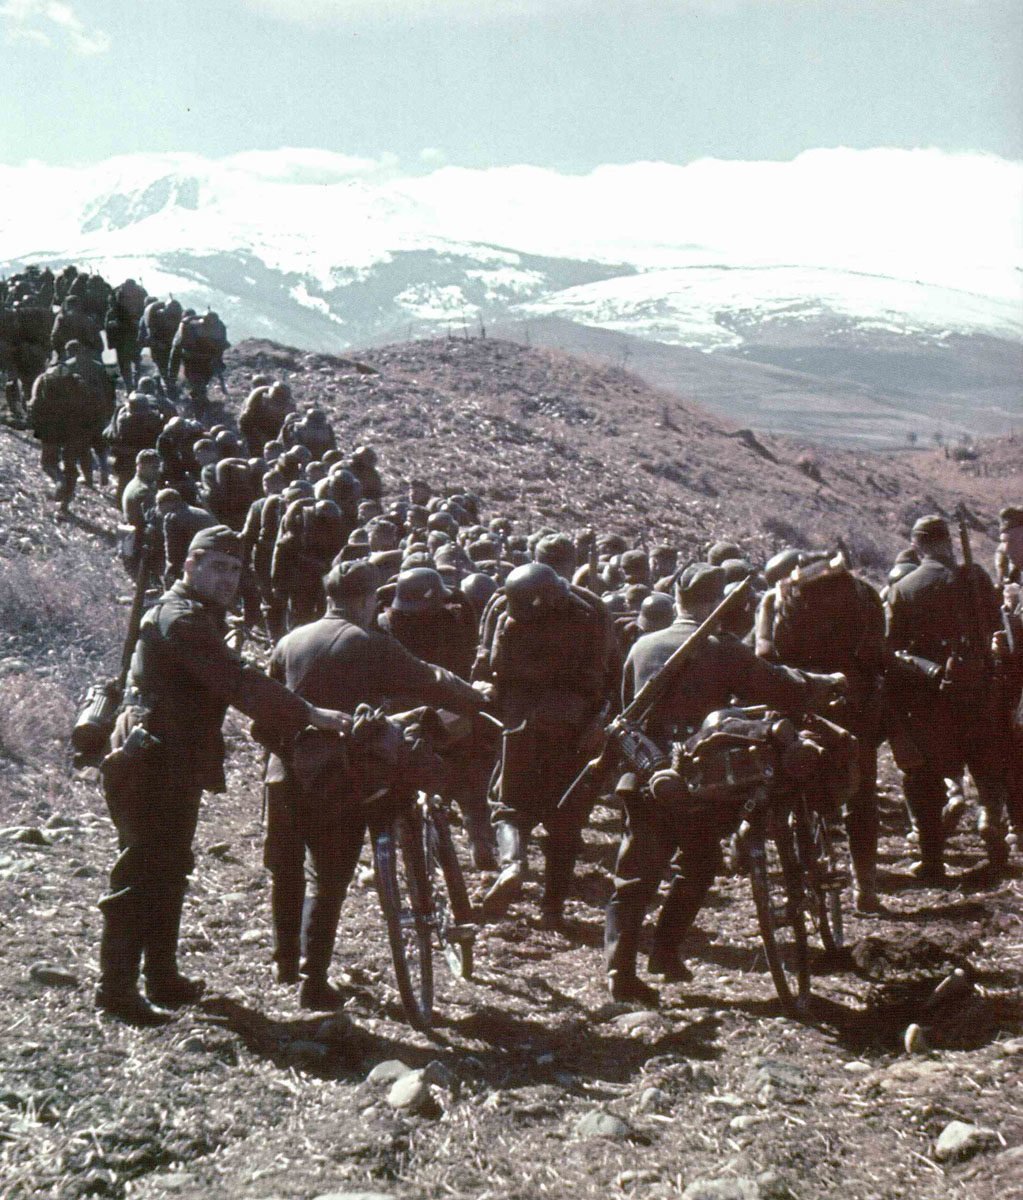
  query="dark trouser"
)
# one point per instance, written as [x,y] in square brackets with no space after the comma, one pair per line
[964,740]
[127,351]
[62,461]
[161,353]
[653,840]
[199,375]
[303,846]
[155,823]
[861,819]
[534,775]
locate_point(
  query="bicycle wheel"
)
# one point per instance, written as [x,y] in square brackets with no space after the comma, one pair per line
[824,880]
[404,891]
[452,911]
[778,894]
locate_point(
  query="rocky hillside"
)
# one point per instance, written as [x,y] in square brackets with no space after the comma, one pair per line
[556,440]
[533,1084]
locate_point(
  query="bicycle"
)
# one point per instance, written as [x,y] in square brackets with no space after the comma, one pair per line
[769,779]
[422,894]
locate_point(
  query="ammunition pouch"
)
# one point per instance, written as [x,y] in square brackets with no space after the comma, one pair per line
[135,751]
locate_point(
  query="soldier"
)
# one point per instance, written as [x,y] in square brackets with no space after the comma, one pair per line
[121,324]
[312,431]
[73,323]
[942,618]
[135,426]
[168,749]
[440,627]
[61,413]
[138,505]
[549,651]
[825,619]
[363,466]
[198,348]
[157,328]
[339,660]
[264,413]
[310,537]
[722,670]
[179,523]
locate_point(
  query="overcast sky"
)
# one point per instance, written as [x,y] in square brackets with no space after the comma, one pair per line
[567,84]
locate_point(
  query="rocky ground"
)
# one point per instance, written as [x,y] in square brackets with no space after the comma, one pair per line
[533,1083]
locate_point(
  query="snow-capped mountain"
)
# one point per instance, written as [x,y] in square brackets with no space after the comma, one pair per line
[835,249]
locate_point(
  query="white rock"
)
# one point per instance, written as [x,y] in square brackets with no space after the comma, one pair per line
[602,1124]
[960,1140]
[411,1093]
[388,1071]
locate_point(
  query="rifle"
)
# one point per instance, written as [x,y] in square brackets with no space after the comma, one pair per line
[624,735]
[95,722]
[975,641]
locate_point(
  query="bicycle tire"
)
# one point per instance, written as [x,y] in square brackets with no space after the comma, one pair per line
[778,896]
[452,908]
[403,889]
[824,880]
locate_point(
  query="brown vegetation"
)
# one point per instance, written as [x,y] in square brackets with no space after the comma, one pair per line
[246,1096]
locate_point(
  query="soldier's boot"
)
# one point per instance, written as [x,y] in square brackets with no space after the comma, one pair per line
[560,853]
[286,896]
[623,924]
[992,829]
[862,829]
[678,912]
[319,929]
[164,982]
[925,798]
[120,956]
[511,854]
[480,833]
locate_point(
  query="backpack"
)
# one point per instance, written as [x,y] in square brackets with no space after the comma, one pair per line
[130,299]
[818,617]
[61,405]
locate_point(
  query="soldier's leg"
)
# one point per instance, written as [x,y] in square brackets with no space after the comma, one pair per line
[284,858]
[70,455]
[645,852]
[173,814]
[125,907]
[925,795]
[513,794]
[333,856]
[49,460]
[988,763]
[699,861]
[861,825]
[470,794]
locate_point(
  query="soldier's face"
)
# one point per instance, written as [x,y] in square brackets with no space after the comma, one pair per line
[214,577]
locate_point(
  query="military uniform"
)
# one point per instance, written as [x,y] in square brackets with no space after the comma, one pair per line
[335,664]
[723,669]
[555,675]
[182,680]
[446,636]
[828,620]
[956,725]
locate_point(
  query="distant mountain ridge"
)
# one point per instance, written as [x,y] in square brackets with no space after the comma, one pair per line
[769,263]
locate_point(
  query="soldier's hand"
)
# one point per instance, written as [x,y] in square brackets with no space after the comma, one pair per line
[327,718]
[485,689]
[825,688]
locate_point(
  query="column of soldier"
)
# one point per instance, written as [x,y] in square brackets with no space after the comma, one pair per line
[401,599]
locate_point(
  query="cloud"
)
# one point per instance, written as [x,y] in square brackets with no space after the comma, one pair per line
[325,12]
[49,23]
